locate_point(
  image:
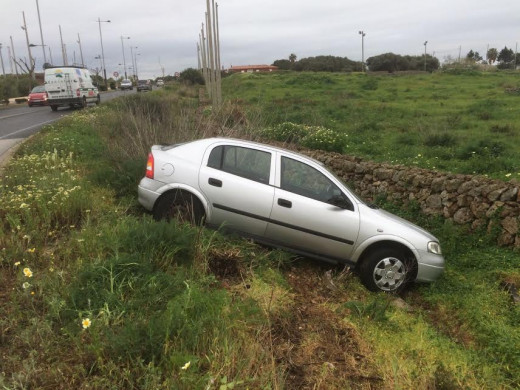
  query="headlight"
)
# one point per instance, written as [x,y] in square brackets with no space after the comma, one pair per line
[434,247]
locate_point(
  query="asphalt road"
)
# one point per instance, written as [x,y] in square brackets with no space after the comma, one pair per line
[20,121]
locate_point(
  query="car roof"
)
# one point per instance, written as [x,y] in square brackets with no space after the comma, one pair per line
[206,142]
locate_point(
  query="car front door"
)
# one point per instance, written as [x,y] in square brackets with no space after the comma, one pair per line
[237,182]
[311,213]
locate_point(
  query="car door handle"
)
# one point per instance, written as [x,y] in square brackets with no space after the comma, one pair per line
[284,203]
[215,182]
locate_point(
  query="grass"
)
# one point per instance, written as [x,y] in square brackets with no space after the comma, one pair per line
[172,306]
[459,123]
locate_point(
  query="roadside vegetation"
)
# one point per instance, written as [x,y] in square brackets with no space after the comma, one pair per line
[94,294]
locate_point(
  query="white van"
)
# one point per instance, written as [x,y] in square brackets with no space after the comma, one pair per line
[70,86]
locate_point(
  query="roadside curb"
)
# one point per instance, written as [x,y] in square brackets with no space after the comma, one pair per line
[6,156]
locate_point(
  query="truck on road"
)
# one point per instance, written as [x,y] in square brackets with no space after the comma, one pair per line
[70,86]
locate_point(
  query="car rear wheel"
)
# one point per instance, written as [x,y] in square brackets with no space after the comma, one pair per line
[54,107]
[180,205]
[98,100]
[386,269]
[84,102]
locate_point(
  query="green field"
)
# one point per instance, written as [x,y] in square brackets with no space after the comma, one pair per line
[94,294]
[462,123]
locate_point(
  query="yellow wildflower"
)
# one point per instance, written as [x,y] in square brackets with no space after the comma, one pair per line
[86,323]
[186,366]
[27,272]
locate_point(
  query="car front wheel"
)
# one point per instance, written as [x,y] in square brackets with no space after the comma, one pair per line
[180,205]
[386,270]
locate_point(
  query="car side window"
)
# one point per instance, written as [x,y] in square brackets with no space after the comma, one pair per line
[244,162]
[302,179]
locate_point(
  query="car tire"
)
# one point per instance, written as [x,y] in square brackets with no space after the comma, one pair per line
[98,100]
[386,269]
[54,107]
[180,205]
[84,102]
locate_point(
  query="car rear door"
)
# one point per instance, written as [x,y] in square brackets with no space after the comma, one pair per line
[237,181]
[310,212]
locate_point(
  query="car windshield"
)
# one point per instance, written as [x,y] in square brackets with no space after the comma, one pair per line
[143,82]
[38,89]
[126,81]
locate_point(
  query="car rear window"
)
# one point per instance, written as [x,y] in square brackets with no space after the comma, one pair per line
[245,162]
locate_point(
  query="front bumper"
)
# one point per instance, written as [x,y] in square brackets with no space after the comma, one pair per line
[430,266]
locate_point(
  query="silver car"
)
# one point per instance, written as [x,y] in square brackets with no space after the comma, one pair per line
[287,200]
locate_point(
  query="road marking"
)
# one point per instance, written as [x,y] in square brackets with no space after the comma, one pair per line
[23,113]
[28,128]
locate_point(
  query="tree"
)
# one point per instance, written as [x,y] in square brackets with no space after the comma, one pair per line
[474,56]
[506,56]
[292,58]
[283,64]
[192,76]
[492,55]
[391,62]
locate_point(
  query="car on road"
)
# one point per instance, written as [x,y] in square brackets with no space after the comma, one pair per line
[159,83]
[144,85]
[126,85]
[38,97]
[286,200]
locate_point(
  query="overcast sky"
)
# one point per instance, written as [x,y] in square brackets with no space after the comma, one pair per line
[166,32]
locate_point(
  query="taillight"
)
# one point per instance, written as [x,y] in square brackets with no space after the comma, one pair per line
[78,92]
[149,166]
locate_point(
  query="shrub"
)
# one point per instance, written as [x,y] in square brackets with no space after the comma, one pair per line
[286,132]
[325,139]
[313,137]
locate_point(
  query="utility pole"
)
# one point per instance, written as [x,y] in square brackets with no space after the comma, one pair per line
[2,60]
[81,52]
[41,32]
[31,62]
[460,49]
[64,55]
[50,54]
[217,55]
[362,33]
[209,34]
[14,57]
[516,53]
[10,58]
[425,44]
[198,56]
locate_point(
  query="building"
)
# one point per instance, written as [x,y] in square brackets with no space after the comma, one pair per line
[252,68]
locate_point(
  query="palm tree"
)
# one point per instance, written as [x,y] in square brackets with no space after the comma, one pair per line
[292,58]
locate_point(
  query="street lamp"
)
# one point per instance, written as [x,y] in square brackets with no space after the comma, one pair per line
[124,60]
[362,33]
[102,51]
[425,44]
[43,46]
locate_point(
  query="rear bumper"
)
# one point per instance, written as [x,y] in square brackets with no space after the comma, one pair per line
[147,192]
[69,101]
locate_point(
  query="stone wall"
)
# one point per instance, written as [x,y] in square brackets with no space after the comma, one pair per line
[475,201]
